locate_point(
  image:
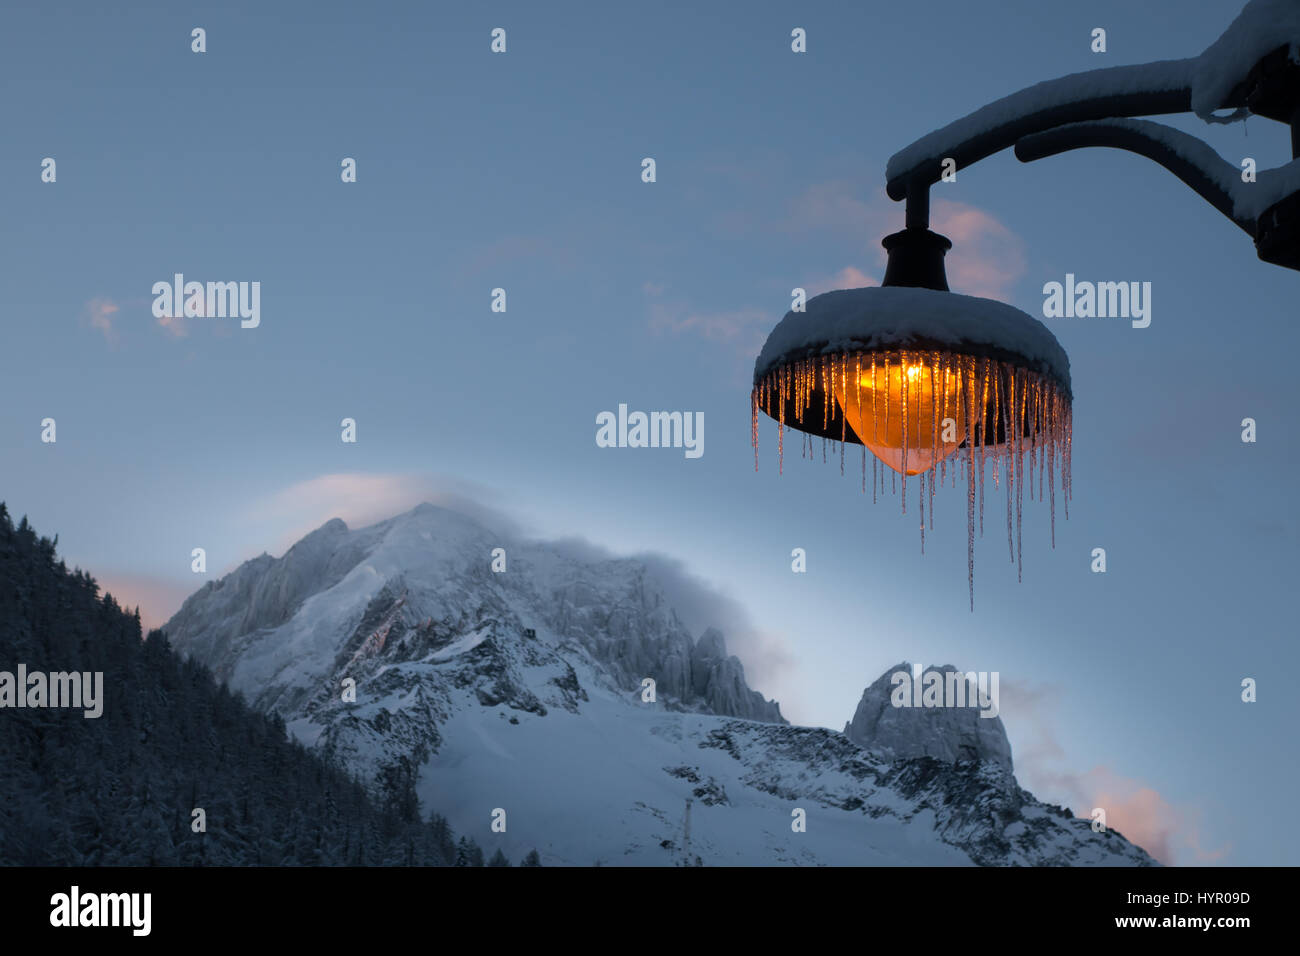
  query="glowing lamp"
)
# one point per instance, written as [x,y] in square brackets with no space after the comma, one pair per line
[927,381]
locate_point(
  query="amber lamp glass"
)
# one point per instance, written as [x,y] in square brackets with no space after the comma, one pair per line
[905,407]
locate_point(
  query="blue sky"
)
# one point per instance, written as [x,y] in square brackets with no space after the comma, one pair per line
[522,171]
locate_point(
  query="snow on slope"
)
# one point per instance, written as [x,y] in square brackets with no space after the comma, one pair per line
[522,691]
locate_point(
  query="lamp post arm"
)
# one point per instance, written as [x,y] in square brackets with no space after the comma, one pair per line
[1147,89]
[1194,162]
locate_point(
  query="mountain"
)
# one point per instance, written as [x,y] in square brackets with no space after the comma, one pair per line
[949,733]
[517,696]
[121,787]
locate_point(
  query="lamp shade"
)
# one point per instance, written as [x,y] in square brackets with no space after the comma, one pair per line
[921,377]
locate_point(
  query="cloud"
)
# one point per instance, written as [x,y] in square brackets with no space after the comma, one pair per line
[100,313]
[987,259]
[837,206]
[515,249]
[362,499]
[173,326]
[850,277]
[157,598]
[742,330]
[699,605]
[1170,833]
[766,657]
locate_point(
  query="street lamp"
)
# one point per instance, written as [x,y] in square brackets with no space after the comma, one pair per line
[934,382]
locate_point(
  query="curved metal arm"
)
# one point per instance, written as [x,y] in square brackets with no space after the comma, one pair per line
[1148,89]
[1194,162]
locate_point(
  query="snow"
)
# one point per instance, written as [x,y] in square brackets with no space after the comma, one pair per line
[594,787]
[558,736]
[1048,96]
[1249,200]
[461,645]
[893,317]
[1261,27]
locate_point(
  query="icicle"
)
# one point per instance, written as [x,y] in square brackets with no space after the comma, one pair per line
[928,478]
[902,374]
[1013,415]
[1040,413]
[969,398]
[920,506]
[875,426]
[826,405]
[857,392]
[943,465]
[999,424]
[1012,442]
[1051,456]
[1067,479]
[887,363]
[1031,430]
[1020,489]
[844,412]
[984,437]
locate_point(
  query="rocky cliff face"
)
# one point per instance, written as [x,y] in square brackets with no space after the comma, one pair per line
[522,691]
[281,629]
[950,728]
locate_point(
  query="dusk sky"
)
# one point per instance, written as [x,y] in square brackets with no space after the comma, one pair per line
[522,171]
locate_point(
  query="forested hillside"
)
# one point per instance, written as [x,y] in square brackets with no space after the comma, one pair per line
[121,789]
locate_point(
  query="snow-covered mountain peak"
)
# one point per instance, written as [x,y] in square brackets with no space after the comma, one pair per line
[939,713]
[278,629]
[564,688]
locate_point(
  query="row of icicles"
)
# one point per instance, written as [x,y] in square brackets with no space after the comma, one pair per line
[916,410]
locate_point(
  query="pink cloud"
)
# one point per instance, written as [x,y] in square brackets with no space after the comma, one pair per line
[987,259]
[157,598]
[1171,833]
[850,277]
[1141,814]
[172,325]
[100,313]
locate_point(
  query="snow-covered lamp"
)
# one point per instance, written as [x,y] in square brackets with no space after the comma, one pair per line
[923,377]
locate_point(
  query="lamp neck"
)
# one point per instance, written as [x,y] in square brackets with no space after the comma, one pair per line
[916,259]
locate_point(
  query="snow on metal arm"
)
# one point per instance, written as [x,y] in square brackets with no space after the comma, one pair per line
[1147,89]
[1191,160]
